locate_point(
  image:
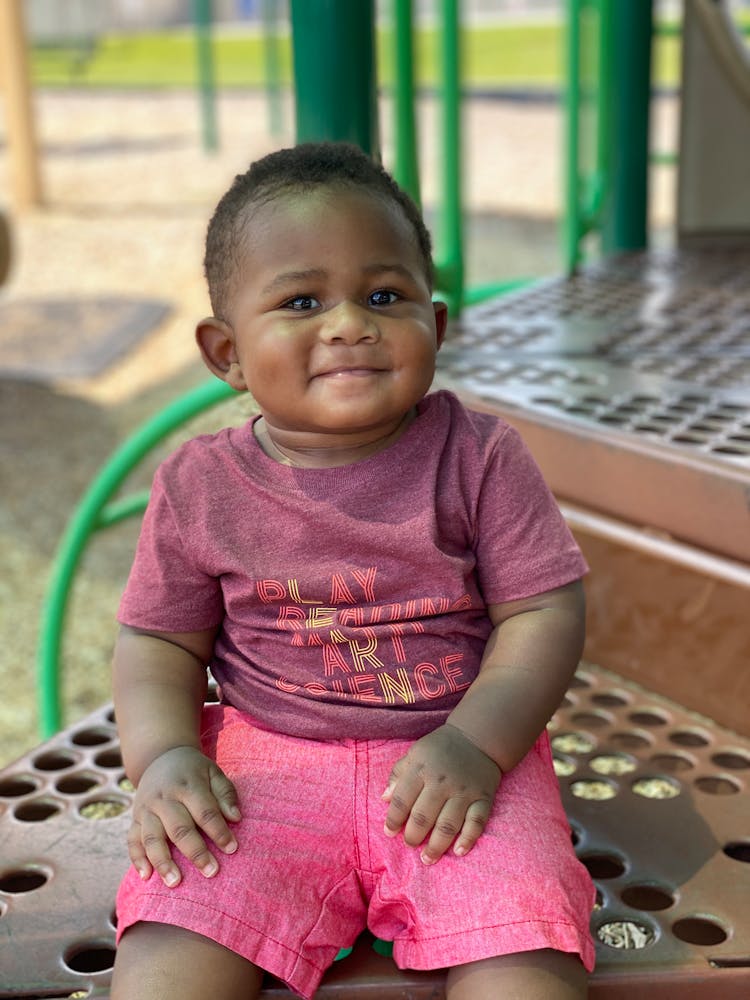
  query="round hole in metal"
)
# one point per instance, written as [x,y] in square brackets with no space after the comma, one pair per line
[726,449]
[714,785]
[603,865]
[673,762]
[37,810]
[90,957]
[688,439]
[613,763]
[91,737]
[105,808]
[732,760]
[572,743]
[689,738]
[16,785]
[656,788]
[564,766]
[109,758]
[591,720]
[76,784]
[738,851]
[648,717]
[55,760]
[647,897]
[22,880]
[593,790]
[625,934]
[629,740]
[609,699]
[699,930]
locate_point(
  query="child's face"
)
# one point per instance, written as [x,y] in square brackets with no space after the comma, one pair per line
[331,325]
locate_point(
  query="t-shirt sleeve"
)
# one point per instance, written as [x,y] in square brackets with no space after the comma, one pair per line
[523,544]
[168,589]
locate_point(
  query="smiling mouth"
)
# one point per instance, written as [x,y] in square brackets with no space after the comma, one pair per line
[349,372]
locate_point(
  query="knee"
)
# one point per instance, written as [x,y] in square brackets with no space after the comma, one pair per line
[531,975]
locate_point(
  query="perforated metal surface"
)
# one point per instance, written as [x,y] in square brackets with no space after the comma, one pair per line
[647,354]
[675,872]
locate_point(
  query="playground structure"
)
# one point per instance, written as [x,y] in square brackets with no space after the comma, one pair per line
[629,382]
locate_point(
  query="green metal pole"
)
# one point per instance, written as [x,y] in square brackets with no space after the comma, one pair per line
[334,72]
[626,219]
[451,265]
[202,14]
[572,229]
[272,65]
[91,514]
[406,165]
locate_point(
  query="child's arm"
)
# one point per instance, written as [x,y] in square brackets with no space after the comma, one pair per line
[445,785]
[160,686]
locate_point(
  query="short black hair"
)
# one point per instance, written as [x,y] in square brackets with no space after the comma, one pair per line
[300,168]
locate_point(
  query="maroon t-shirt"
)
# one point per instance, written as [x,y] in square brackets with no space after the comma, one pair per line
[351,601]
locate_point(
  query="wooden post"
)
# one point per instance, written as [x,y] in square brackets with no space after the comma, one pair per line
[19,113]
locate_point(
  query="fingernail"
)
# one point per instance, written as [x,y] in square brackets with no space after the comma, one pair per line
[234,813]
[211,869]
[388,832]
[142,872]
[171,878]
[460,851]
[427,860]
[231,848]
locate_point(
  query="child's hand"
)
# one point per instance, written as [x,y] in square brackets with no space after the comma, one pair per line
[180,794]
[443,788]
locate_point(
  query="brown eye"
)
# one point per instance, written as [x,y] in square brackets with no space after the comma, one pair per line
[382,297]
[301,303]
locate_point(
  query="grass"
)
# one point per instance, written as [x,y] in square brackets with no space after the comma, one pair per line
[494,57]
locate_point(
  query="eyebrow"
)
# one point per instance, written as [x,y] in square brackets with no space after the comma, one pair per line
[286,278]
[293,277]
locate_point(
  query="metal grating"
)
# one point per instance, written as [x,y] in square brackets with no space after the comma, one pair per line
[680,319]
[673,873]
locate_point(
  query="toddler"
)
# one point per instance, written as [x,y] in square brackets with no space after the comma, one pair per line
[390,602]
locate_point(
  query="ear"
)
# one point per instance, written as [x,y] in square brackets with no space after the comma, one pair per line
[441,321]
[215,340]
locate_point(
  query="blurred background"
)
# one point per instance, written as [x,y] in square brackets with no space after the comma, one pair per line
[141,114]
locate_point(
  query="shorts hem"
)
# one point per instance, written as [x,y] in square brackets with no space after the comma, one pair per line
[298,973]
[446,951]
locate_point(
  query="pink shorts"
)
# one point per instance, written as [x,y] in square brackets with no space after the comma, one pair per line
[314,867]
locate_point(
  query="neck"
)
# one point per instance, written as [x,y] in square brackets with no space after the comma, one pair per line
[287,448]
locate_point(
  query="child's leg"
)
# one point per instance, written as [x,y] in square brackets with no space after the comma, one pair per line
[160,962]
[529,975]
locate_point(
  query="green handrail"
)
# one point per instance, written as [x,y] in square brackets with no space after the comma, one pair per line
[92,513]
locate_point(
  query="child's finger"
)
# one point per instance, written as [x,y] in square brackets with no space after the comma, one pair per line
[137,852]
[448,824]
[475,821]
[403,795]
[180,828]
[156,847]
[210,820]
[226,796]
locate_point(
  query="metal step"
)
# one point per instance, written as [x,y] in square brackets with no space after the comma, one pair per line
[672,872]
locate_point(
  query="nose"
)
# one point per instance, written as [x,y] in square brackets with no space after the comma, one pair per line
[348,323]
